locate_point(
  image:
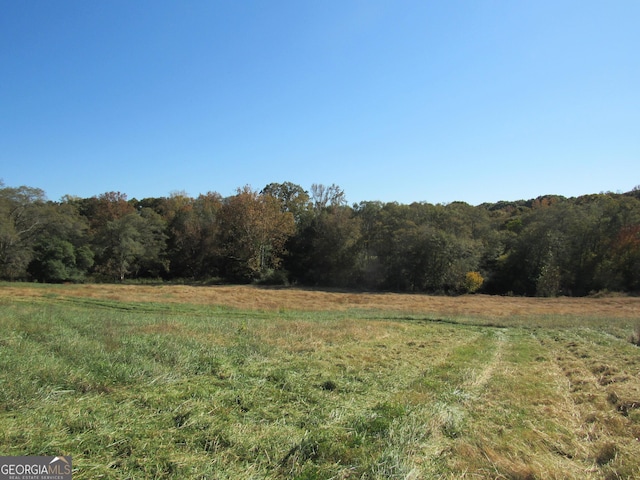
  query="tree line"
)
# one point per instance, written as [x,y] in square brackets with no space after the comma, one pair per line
[284,234]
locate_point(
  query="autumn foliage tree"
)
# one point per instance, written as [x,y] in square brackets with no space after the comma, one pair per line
[126,241]
[193,249]
[545,246]
[625,258]
[253,233]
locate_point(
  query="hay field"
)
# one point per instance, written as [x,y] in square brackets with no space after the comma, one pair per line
[249,383]
[276,298]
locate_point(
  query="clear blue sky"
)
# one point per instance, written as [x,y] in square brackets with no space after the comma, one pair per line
[396,100]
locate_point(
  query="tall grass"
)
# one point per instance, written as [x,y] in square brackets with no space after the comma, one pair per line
[164,389]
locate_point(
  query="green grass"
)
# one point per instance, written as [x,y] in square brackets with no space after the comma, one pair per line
[153,390]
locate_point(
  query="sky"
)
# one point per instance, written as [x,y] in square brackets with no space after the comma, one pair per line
[401,100]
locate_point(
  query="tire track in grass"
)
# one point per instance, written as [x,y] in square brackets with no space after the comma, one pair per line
[521,423]
[412,381]
[476,384]
[367,377]
[453,385]
[538,404]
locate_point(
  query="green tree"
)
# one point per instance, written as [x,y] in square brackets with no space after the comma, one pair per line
[421,247]
[293,199]
[61,251]
[372,233]
[534,262]
[132,244]
[57,260]
[333,241]
[20,224]
[435,261]
[325,249]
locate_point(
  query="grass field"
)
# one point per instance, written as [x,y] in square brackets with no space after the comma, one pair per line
[246,382]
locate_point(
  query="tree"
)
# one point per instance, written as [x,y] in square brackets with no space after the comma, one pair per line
[126,241]
[545,246]
[193,231]
[253,230]
[534,261]
[20,223]
[326,252]
[132,244]
[293,198]
[105,208]
[327,197]
[472,282]
[434,260]
[61,251]
[626,257]
[57,260]
[370,267]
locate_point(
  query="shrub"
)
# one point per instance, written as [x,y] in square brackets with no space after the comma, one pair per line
[472,282]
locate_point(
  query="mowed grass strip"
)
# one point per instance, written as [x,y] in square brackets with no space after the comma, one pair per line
[170,390]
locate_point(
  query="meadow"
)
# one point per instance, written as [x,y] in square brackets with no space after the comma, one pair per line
[240,382]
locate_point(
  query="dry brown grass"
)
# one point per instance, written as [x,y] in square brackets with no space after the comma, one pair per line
[274,299]
[301,335]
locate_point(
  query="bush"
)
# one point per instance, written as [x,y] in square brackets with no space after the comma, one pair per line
[273,277]
[472,282]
